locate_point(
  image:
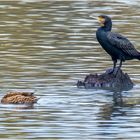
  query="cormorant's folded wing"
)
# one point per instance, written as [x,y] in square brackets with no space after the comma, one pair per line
[122,43]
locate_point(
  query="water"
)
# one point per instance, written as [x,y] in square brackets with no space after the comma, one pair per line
[46,46]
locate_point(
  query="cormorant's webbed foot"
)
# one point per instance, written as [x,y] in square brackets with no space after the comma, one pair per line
[115,69]
[111,71]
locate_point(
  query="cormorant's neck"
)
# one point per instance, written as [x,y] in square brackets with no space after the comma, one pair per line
[107,26]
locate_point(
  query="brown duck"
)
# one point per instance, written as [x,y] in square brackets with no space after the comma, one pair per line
[19,98]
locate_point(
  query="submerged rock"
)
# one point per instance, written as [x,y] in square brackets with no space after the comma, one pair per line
[19,98]
[116,80]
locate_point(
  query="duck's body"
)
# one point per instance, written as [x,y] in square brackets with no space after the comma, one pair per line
[116,45]
[19,98]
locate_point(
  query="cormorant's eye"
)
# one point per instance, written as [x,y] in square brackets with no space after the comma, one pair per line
[101,20]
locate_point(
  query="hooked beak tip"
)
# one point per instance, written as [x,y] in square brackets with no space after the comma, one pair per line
[93,17]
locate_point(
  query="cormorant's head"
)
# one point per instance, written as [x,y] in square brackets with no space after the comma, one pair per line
[105,21]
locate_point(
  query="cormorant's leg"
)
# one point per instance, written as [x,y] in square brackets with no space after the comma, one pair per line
[119,67]
[114,66]
[120,64]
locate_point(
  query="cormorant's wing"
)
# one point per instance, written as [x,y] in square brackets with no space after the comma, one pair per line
[122,43]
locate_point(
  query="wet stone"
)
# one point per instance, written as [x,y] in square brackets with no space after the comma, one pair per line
[116,80]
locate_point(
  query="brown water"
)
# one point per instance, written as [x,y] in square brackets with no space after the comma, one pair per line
[48,46]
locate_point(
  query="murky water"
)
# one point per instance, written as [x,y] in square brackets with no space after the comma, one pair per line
[47,46]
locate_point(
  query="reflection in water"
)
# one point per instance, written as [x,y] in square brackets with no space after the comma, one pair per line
[47,46]
[112,110]
[110,118]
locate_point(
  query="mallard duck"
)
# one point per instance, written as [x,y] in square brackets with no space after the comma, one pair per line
[19,98]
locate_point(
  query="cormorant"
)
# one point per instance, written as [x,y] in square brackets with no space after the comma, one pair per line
[116,45]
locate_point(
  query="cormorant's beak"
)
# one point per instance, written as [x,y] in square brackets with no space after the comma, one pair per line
[93,17]
[101,20]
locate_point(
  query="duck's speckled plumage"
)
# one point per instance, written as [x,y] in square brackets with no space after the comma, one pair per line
[19,98]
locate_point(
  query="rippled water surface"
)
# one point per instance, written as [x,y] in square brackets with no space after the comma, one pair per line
[47,46]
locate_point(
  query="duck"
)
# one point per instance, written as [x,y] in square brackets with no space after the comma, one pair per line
[16,97]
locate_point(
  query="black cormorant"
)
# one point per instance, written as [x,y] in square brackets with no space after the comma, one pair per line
[116,45]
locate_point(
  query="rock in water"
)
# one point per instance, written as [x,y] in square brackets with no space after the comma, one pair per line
[116,80]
